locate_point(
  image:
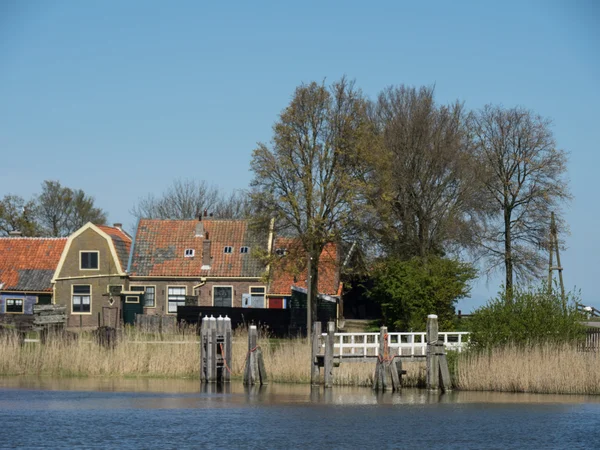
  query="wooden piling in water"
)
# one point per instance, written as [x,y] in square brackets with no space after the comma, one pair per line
[316,338]
[387,376]
[329,346]
[254,371]
[438,374]
[215,350]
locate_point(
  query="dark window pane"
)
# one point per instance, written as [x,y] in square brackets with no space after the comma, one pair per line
[89,260]
[222,296]
[81,289]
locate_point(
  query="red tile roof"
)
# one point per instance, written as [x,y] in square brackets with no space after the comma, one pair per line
[290,270]
[121,241]
[160,246]
[28,264]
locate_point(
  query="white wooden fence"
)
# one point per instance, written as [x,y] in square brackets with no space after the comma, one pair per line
[403,344]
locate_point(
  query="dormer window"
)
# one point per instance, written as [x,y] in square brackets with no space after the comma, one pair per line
[88,260]
[244,249]
[189,253]
[228,249]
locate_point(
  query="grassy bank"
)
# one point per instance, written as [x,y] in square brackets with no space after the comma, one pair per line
[146,355]
[544,369]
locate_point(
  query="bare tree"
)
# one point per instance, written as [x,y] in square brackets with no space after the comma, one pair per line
[305,179]
[421,190]
[62,210]
[184,199]
[525,180]
[237,205]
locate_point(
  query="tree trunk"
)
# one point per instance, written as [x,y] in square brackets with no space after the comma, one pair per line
[508,260]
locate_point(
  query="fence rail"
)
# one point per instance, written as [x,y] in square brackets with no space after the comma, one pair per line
[402,344]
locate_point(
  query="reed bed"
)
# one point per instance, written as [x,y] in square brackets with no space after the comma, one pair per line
[543,369]
[143,354]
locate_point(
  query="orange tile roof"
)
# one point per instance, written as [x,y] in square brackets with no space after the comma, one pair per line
[290,270]
[121,241]
[28,264]
[160,246]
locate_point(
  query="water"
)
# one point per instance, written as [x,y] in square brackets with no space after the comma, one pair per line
[169,414]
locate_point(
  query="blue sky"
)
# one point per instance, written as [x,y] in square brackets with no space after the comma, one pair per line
[119,98]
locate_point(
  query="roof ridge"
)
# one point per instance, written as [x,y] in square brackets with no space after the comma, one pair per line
[33,238]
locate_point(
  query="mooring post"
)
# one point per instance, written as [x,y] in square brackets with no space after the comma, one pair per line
[227,348]
[251,370]
[316,340]
[203,349]
[432,351]
[211,352]
[329,347]
[380,377]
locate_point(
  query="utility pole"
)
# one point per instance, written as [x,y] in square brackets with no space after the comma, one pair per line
[554,247]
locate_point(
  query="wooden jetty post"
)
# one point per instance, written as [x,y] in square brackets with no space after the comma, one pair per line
[329,346]
[386,372]
[255,371]
[438,374]
[215,350]
[316,341]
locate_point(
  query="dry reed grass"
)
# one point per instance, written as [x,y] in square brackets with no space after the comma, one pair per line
[141,354]
[544,369]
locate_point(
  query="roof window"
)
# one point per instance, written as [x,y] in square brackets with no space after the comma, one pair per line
[244,249]
[228,249]
[189,253]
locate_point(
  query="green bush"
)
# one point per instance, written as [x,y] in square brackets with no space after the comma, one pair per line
[409,291]
[534,316]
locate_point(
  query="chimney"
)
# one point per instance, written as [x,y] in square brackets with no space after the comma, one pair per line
[206,254]
[200,228]
[15,233]
[118,225]
[205,212]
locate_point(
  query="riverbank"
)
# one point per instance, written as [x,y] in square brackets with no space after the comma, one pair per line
[174,355]
[548,369]
[542,369]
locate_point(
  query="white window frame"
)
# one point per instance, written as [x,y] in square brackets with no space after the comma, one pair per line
[169,293]
[228,249]
[22,300]
[189,253]
[145,287]
[136,299]
[81,295]
[81,252]
[244,250]
[223,286]
[264,294]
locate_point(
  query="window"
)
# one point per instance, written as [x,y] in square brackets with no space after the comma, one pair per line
[175,298]
[115,289]
[222,296]
[88,260]
[281,251]
[14,305]
[228,249]
[257,295]
[149,297]
[82,298]
[132,299]
[244,250]
[189,253]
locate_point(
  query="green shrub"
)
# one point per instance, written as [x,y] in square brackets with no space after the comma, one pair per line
[534,316]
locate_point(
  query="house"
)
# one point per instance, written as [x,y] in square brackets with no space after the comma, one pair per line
[26,268]
[289,270]
[205,262]
[91,273]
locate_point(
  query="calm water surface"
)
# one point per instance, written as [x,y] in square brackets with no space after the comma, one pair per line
[165,414]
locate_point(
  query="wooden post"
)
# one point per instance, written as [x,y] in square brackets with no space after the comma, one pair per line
[329,347]
[203,349]
[255,371]
[227,348]
[316,338]
[432,358]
